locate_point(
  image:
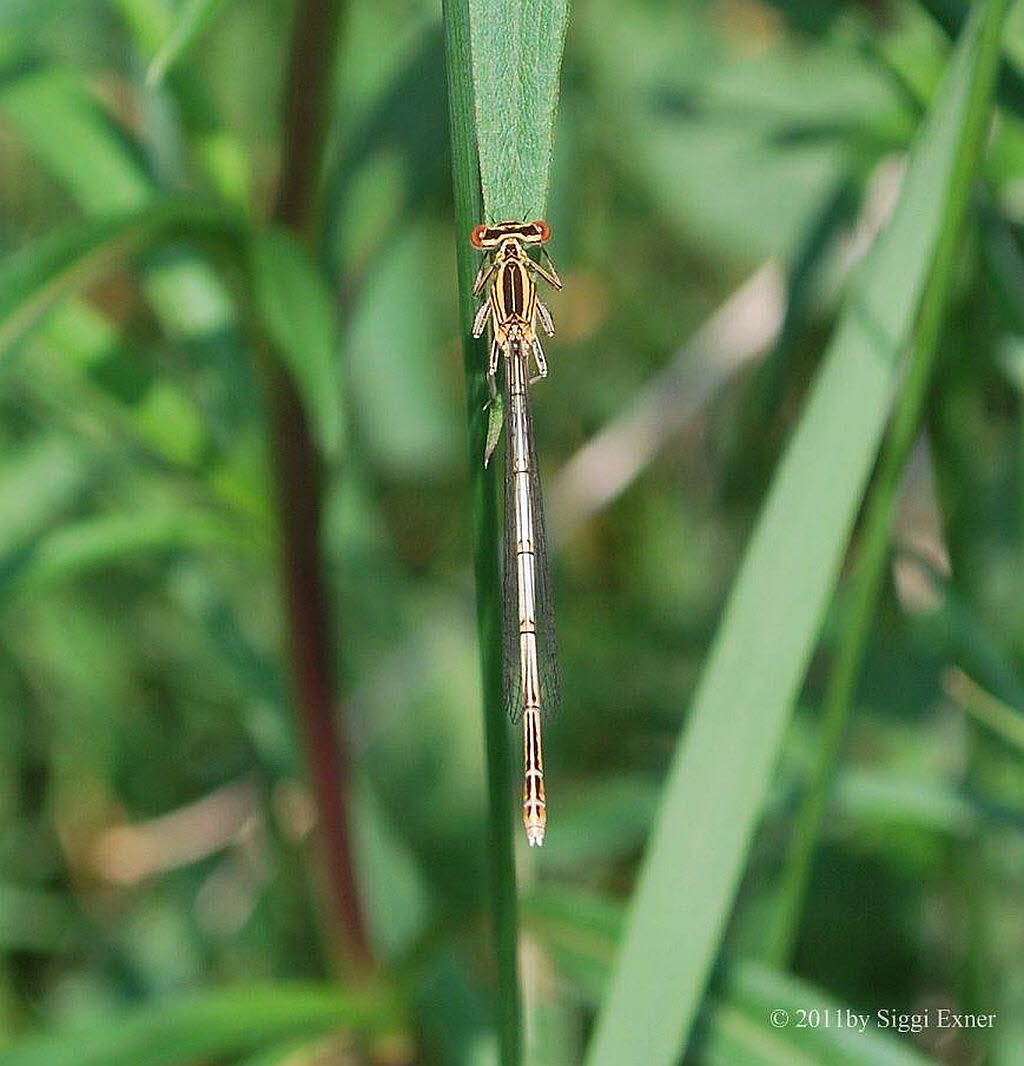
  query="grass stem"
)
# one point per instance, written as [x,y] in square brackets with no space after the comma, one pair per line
[299,481]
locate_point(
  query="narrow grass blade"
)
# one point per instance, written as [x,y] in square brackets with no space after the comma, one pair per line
[951,16]
[517,56]
[484,502]
[725,759]
[221,1024]
[195,17]
[1002,719]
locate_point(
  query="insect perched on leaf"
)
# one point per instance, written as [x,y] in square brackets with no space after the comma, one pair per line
[512,309]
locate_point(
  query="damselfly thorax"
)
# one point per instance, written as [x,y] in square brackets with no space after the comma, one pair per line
[511,305]
[512,309]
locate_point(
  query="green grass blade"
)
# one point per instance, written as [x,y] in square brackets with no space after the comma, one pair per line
[724,761]
[486,539]
[224,1023]
[951,16]
[873,552]
[219,150]
[298,314]
[517,57]
[35,278]
[195,17]
[1000,718]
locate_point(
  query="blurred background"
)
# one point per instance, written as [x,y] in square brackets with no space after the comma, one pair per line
[720,168]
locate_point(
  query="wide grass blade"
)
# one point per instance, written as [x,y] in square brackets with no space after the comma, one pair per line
[486,539]
[517,57]
[222,1024]
[873,551]
[725,759]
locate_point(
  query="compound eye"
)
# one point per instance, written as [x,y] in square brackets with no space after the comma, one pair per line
[476,238]
[543,229]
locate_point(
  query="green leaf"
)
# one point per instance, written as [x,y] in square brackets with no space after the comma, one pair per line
[222,1023]
[391,337]
[495,420]
[298,314]
[35,278]
[76,140]
[724,760]
[517,56]
[195,17]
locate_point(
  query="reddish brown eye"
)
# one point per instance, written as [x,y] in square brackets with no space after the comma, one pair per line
[476,238]
[543,229]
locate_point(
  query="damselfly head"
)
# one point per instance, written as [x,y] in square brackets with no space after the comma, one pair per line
[487,237]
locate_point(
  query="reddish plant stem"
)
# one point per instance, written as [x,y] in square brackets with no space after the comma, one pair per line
[299,479]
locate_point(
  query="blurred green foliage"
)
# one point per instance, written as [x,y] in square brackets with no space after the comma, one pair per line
[154,828]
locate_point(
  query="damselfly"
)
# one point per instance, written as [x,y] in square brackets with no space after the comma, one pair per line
[512,309]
